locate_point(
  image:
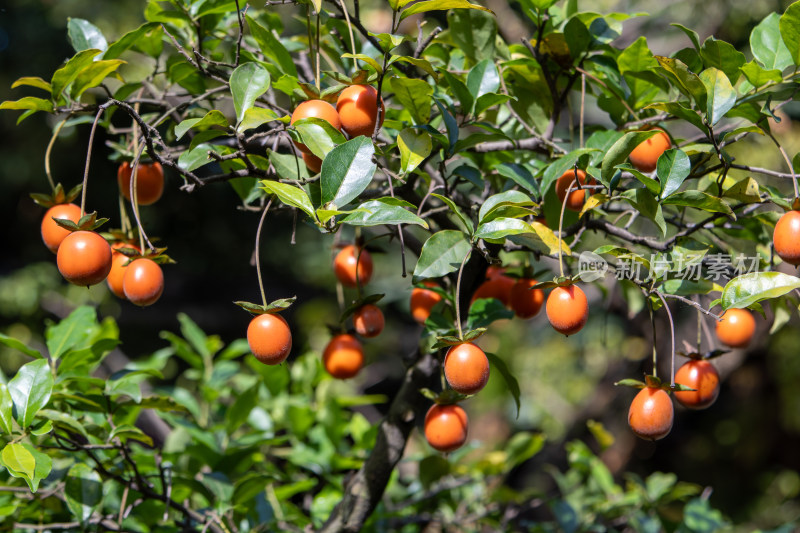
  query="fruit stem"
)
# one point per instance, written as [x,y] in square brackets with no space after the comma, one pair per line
[583,107]
[100,110]
[49,151]
[561,225]
[672,336]
[316,78]
[653,322]
[134,168]
[458,294]
[258,259]
[350,30]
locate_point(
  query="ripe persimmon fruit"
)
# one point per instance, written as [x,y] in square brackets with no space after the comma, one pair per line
[52,233]
[737,327]
[644,157]
[143,282]
[343,357]
[368,321]
[84,258]
[466,368]
[344,266]
[446,427]
[422,301]
[526,302]
[701,376]
[578,196]
[786,237]
[567,309]
[315,109]
[269,338]
[119,265]
[651,414]
[358,110]
[149,182]
[313,163]
[497,285]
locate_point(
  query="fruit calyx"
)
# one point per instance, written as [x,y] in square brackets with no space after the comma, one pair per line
[272,308]
[58,196]
[446,341]
[88,222]
[358,304]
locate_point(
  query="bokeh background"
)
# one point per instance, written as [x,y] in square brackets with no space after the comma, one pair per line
[745,447]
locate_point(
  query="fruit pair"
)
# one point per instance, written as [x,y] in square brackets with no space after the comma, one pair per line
[353,266]
[356,113]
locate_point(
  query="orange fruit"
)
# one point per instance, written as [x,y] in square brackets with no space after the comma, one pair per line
[343,357]
[737,327]
[699,375]
[446,427]
[149,182]
[313,163]
[269,338]
[84,258]
[567,309]
[358,109]
[497,285]
[119,265]
[52,233]
[316,109]
[143,282]
[466,368]
[578,196]
[368,321]
[651,414]
[526,302]
[344,266]
[644,157]
[422,301]
[786,237]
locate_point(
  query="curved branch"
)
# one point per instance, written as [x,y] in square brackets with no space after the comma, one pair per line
[365,489]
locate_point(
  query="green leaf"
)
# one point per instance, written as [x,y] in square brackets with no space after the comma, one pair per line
[422,64]
[700,200]
[212,118]
[483,78]
[720,94]
[248,82]
[382,211]
[290,195]
[757,76]
[561,165]
[682,112]
[318,135]
[128,40]
[18,459]
[619,152]
[30,390]
[511,381]
[43,467]
[637,57]
[767,45]
[372,62]
[519,175]
[681,77]
[723,56]
[500,228]
[645,202]
[6,410]
[126,432]
[271,47]
[466,223]
[440,5]
[94,75]
[346,171]
[197,156]
[414,96]
[790,31]
[83,491]
[32,81]
[441,254]
[414,147]
[685,287]
[14,344]
[512,197]
[289,166]
[744,291]
[672,168]
[67,74]
[72,332]
[29,102]
[84,35]
[255,117]
[488,101]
